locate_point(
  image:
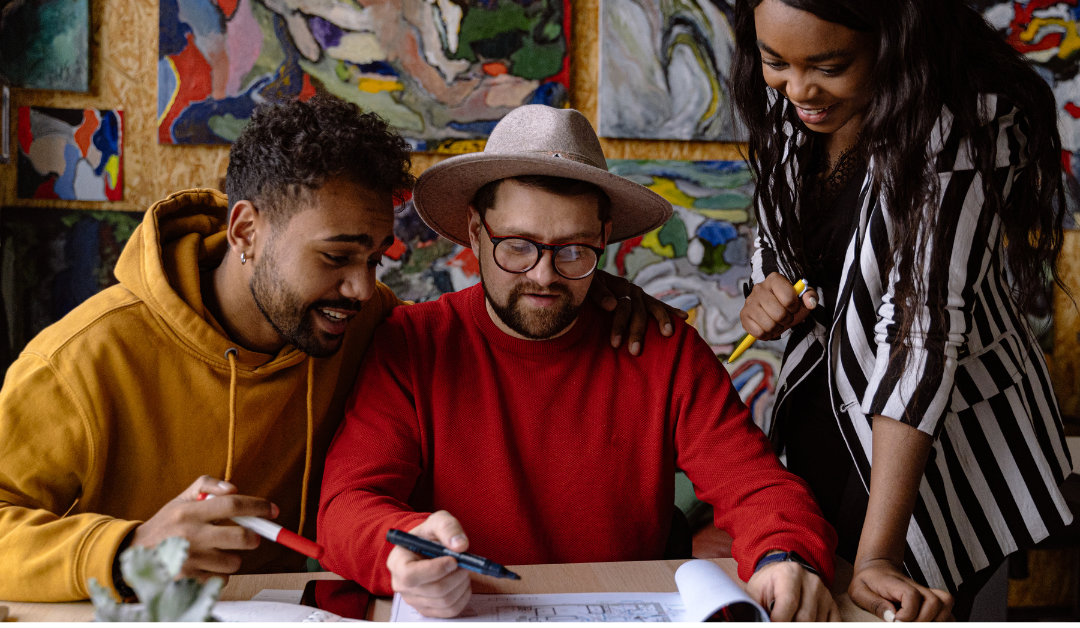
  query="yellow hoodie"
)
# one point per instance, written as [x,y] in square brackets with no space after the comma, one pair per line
[113,411]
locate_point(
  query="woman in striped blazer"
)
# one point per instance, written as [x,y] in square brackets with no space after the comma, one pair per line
[909,167]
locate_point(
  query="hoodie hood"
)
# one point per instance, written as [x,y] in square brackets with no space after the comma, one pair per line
[179,238]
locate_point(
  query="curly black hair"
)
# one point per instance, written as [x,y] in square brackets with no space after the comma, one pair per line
[291,148]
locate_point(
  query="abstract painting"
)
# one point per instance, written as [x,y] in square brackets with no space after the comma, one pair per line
[664,69]
[1045,31]
[53,260]
[44,44]
[442,72]
[698,261]
[71,154]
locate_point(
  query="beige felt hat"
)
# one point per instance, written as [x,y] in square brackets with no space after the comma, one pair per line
[535,140]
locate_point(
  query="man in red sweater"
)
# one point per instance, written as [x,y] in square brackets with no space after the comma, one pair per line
[504,408]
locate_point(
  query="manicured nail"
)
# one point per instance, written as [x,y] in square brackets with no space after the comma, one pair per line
[890,616]
[813,302]
[616,341]
[457,540]
[667,328]
[635,348]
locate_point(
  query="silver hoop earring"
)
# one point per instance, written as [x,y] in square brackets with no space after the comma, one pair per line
[243,258]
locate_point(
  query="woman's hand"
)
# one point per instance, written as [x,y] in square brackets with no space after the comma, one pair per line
[879,584]
[773,307]
[632,309]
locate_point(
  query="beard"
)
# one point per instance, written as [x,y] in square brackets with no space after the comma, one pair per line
[533,323]
[287,313]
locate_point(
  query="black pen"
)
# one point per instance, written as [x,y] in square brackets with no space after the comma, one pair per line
[472,562]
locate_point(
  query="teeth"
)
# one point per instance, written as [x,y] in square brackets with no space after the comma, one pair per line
[813,112]
[334,315]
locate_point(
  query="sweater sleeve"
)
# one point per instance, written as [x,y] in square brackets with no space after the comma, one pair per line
[47,456]
[917,391]
[372,467]
[732,466]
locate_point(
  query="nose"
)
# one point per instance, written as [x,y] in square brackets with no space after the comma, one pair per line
[359,285]
[544,271]
[800,87]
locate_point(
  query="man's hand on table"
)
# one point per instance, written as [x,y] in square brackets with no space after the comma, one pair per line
[212,550]
[435,587]
[791,593]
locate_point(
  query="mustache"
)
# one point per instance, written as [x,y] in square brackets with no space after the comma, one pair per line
[533,287]
[337,304]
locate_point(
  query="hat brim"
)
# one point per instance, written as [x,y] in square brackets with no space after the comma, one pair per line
[444,191]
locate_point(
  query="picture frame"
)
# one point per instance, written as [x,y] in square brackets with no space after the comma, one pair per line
[5,122]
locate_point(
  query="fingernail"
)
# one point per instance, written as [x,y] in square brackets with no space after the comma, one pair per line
[457,540]
[274,511]
[634,348]
[813,302]
[224,485]
[890,616]
[616,341]
[667,328]
[610,303]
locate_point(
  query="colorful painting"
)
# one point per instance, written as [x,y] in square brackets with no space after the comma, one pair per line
[71,154]
[53,260]
[1045,31]
[44,44]
[698,261]
[664,70]
[442,72]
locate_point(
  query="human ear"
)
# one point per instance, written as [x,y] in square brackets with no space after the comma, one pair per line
[475,224]
[244,221]
[607,231]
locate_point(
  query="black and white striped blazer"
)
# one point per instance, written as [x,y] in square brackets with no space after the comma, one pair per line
[991,483]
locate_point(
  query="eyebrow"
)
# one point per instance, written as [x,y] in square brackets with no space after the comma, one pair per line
[361,239]
[818,58]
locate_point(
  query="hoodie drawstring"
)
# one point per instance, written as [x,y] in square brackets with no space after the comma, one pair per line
[231,354]
[310,437]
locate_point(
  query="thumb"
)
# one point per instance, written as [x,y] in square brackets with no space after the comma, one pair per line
[444,528]
[867,598]
[810,298]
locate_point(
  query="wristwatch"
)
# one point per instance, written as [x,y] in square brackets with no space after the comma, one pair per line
[122,589]
[781,557]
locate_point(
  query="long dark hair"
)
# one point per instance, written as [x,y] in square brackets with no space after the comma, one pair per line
[930,53]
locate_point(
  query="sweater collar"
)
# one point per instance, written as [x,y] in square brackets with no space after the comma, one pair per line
[506,342]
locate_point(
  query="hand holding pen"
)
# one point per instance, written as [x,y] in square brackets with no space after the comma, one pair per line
[773,307]
[435,587]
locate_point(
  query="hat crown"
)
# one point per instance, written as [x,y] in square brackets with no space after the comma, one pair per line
[547,131]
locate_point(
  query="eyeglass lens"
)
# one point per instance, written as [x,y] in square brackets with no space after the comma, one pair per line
[518,256]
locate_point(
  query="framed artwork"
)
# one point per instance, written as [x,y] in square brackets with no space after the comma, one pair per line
[664,69]
[45,44]
[442,72]
[70,154]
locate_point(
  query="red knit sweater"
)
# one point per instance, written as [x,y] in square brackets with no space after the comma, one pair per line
[554,451]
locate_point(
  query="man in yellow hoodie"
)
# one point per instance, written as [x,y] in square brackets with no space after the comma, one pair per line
[230,325]
[225,331]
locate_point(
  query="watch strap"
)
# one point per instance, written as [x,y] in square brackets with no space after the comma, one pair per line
[780,557]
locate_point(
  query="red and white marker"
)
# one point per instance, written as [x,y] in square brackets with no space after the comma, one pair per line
[276,533]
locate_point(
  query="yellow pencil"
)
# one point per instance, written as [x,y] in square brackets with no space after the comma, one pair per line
[799,288]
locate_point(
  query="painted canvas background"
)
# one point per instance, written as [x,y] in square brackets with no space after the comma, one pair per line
[698,261]
[443,72]
[1045,31]
[664,67]
[44,44]
[70,154]
[51,261]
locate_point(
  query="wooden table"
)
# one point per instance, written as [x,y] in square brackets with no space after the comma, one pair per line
[651,576]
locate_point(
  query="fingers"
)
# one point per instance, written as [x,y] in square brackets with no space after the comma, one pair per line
[809,299]
[619,322]
[601,294]
[662,313]
[782,290]
[211,561]
[229,506]
[208,485]
[432,577]
[445,606]
[865,597]
[444,528]
[639,316]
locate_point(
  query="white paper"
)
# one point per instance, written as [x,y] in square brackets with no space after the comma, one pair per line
[272,611]
[705,588]
[285,596]
[650,607]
